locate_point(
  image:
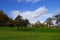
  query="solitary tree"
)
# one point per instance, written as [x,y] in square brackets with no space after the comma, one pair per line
[18,21]
[57,18]
[49,21]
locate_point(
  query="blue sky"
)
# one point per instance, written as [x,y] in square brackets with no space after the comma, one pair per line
[33,10]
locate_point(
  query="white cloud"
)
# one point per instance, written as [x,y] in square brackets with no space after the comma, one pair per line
[57,11]
[27,1]
[45,16]
[15,13]
[48,15]
[34,14]
[31,15]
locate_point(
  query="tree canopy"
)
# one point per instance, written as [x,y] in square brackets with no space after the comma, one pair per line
[6,21]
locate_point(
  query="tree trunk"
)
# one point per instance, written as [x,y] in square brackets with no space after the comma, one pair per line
[48,25]
[17,27]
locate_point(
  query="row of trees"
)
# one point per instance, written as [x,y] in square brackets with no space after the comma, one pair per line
[18,22]
[53,21]
[56,18]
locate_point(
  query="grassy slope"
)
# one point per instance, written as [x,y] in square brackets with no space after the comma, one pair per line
[42,34]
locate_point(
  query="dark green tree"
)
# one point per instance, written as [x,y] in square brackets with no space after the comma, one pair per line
[10,23]
[3,18]
[49,21]
[57,18]
[26,22]
[18,21]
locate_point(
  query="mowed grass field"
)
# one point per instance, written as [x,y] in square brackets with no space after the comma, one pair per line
[10,33]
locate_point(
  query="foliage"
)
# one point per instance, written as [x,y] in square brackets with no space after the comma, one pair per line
[48,21]
[57,18]
[20,22]
[6,21]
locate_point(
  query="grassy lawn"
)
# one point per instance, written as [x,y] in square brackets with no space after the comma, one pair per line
[9,33]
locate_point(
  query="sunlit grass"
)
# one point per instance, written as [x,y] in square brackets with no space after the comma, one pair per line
[10,33]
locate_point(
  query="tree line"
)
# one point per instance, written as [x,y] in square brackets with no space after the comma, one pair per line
[50,22]
[18,21]
[54,20]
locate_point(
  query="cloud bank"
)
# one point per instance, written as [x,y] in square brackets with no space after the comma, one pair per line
[32,16]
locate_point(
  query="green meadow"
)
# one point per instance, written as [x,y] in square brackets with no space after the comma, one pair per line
[10,33]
